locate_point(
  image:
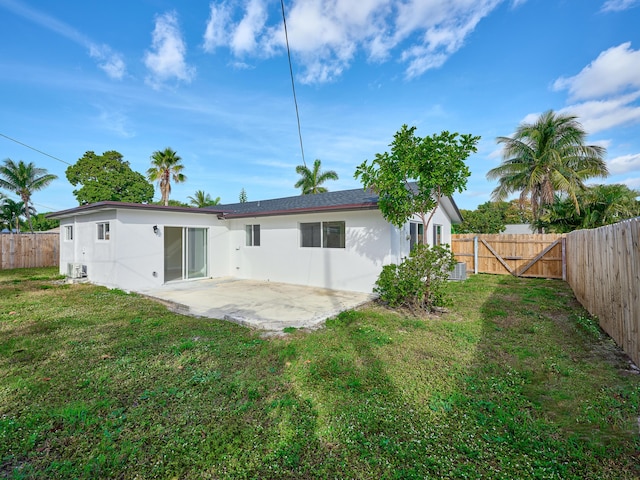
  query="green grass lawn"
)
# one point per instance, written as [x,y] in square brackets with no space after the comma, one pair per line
[515,381]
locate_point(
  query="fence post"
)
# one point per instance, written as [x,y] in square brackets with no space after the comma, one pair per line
[475,254]
[564,258]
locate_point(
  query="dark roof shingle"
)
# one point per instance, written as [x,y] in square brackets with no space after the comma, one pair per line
[356,199]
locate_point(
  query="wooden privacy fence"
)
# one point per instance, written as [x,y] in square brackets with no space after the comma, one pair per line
[521,255]
[27,250]
[603,269]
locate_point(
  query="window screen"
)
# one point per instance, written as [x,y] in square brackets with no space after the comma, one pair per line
[253,235]
[310,234]
[333,234]
[103,231]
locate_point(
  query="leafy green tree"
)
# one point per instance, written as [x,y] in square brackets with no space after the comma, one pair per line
[435,163]
[24,179]
[200,199]
[166,166]
[600,205]
[311,179]
[518,211]
[107,177]
[11,212]
[481,220]
[546,157]
[243,196]
[172,203]
[41,223]
[492,217]
[608,204]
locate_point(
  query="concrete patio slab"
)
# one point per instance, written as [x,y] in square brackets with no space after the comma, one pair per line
[264,305]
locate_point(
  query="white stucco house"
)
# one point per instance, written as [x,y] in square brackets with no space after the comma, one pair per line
[337,240]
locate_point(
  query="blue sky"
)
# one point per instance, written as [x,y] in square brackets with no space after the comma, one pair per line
[211,80]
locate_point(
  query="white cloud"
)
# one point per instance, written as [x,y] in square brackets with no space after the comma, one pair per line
[244,38]
[618,5]
[442,26]
[108,60]
[632,182]
[276,164]
[166,60]
[614,71]
[242,65]
[606,91]
[112,63]
[115,122]
[624,164]
[216,33]
[326,35]
[599,115]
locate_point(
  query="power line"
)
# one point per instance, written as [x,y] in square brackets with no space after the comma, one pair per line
[9,194]
[293,85]
[34,149]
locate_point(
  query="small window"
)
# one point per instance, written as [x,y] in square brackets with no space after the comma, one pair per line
[437,234]
[333,234]
[322,234]
[103,231]
[68,233]
[416,234]
[310,234]
[253,235]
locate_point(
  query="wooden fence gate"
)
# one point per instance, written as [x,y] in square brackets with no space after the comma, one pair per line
[521,255]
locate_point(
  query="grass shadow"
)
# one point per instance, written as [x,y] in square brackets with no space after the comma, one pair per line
[513,382]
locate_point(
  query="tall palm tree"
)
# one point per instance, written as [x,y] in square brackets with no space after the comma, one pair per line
[166,166]
[310,180]
[546,157]
[24,179]
[201,199]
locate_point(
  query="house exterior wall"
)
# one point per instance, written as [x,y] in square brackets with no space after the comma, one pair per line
[440,217]
[369,244]
[133,257]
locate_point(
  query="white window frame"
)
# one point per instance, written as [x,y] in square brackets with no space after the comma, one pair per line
[103,232]
[416,234]
[437,235]
[250,233]
[324,232]
[68,233]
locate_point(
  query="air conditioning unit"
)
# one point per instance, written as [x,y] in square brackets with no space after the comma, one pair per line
[76,270]
[459,272]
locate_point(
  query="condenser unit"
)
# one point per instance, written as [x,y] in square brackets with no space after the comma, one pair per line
[76,270]
[459,272]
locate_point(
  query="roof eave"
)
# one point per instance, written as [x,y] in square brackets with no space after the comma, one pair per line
[295,211]
[111,205]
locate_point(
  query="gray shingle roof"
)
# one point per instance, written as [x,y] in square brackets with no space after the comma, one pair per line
[344,200]
[356,199]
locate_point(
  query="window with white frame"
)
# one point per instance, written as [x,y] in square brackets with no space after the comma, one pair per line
[416,234]
[103,231]
[253,235]
[437,234]
[322,234]
[68,233]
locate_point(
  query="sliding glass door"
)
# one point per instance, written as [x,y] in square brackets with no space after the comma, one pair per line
[196,252]
[185,253]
